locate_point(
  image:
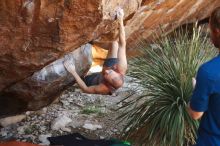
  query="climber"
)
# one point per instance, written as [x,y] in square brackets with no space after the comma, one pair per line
[114,68]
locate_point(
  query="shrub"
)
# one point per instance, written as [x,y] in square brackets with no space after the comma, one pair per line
[158,116]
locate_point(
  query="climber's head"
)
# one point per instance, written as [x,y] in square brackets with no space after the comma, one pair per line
[114,78]
[214,24]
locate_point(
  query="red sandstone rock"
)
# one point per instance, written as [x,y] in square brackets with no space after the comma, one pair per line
[154,15]
[34,33]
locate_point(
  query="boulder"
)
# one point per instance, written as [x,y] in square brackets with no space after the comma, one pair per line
[36,35]
[156,15]
[44,86]
[4,122]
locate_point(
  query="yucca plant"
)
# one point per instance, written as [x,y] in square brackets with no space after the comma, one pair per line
[158,114]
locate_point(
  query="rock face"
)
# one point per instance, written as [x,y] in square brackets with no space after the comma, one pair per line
[34,33]
[154,15]
[44,86]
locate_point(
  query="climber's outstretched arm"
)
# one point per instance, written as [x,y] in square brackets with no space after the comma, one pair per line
[98,89]
[122,64]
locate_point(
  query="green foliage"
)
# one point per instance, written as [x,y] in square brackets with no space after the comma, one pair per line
[30,129]
[158,115]
[91,110]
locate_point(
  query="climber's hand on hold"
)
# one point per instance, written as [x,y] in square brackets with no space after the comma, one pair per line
[70,66]
[120,13]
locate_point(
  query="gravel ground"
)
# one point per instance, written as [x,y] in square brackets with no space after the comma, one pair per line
[94,116]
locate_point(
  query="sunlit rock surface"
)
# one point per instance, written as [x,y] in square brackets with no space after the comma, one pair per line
[156,15]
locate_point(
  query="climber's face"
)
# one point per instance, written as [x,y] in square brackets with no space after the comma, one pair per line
[113,78]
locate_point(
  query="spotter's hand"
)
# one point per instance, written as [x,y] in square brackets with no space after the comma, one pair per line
[193,82]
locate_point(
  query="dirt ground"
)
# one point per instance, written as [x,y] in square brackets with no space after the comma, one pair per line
[99,112]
